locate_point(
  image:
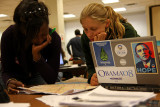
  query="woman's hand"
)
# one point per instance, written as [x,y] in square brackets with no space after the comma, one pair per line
[12,86]
[101,36]
[37,48]
[94,80]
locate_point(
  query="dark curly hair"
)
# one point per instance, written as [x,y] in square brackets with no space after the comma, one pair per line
[29,16]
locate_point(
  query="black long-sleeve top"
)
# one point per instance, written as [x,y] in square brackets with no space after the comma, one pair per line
[20,65]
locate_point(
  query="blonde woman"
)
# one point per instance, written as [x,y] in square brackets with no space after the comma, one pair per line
[101,23]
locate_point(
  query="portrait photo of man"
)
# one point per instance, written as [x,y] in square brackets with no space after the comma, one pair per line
[144,57]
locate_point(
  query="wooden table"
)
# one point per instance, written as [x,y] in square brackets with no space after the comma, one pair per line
[20,98]
[157,97]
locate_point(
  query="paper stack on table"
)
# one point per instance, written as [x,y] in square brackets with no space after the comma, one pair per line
[56,101]
[99,97]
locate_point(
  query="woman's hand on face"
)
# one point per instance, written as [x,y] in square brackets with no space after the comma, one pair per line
[12,86]
[101,36]
[37,48]
[94,80]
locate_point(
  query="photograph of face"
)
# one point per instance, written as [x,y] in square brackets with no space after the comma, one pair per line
[144,57]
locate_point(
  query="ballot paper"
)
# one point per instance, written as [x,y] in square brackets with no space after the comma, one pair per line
[54,101]
[101,95]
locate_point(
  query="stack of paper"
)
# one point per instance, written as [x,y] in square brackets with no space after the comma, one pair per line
[121,98]
[99,97]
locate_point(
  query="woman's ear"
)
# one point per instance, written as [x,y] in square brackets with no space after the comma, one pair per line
[107,23]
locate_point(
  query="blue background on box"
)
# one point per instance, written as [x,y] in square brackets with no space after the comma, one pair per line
[107,48]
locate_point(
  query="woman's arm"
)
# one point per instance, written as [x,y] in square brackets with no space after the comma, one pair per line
[7,55]
[9,65]
[88,56]
[48,65]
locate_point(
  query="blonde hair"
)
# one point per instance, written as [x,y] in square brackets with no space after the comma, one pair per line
[102,13]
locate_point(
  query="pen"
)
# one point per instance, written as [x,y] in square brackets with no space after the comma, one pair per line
[86,100]
[52,31]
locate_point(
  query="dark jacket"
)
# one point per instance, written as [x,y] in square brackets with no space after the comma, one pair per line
[20,65]
[129,32]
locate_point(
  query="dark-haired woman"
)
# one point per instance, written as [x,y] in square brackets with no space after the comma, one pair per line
[30,55]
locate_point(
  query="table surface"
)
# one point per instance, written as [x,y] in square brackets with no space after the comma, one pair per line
[21,98]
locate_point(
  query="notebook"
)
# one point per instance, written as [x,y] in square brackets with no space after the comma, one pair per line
[127,64]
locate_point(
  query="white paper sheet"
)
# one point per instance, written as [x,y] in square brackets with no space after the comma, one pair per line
[99,97]
[102,94]
[11,104]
